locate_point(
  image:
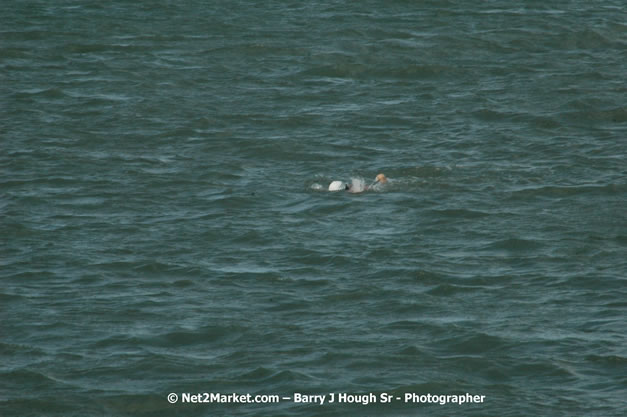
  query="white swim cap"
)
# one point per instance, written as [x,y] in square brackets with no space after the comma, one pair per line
[337,186]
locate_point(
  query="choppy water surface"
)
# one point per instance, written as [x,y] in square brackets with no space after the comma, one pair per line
[166,225]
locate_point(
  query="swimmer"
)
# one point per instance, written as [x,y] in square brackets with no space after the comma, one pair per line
[357,186]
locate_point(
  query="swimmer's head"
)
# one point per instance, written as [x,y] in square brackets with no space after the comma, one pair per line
[381,179]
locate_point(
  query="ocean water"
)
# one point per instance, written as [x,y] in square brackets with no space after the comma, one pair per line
[165,225]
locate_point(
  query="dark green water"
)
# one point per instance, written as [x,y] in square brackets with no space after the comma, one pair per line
[164,225]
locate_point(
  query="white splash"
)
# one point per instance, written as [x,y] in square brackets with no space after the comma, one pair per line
[357,185]
[337,186]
